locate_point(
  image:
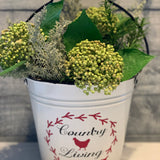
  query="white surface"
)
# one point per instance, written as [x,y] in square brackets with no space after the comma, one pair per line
[56,112]
[30,151]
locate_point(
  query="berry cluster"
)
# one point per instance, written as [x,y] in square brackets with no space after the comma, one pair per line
[94,66]
[14,45]
[104,22]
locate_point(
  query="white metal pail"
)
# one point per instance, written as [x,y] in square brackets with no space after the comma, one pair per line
[73,126]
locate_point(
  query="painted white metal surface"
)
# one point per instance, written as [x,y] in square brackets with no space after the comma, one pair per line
[71,125]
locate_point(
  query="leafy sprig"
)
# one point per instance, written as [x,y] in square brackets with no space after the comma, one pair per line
[51,43]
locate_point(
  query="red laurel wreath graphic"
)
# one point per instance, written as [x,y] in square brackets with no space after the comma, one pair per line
[83,118]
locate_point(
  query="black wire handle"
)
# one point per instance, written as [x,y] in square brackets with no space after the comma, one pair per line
[38,10]
[130,15]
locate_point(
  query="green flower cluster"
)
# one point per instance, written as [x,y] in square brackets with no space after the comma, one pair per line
[104,21]
[94,66]
[14,45]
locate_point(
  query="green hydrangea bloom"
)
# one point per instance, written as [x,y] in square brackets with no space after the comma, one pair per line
[94,66]
[14,45]
[104,21]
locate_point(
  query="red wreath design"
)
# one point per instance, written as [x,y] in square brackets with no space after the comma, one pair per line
[83,118]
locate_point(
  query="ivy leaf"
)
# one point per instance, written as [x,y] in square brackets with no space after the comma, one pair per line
[134,61]
[52,15]
[81,29]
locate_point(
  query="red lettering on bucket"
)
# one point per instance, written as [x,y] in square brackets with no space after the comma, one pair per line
[104,121]
[49,124]
[49,133]
[115,140]
[81,144]
[113,124]
[53,150]
[79,139]
[113,132]
[47,140]
[68,115]
[81,117]
[96,115]
[58,121]
[109,150]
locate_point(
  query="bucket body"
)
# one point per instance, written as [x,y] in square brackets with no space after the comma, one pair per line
[73,126]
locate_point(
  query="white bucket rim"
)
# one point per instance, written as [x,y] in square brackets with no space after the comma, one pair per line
[71,93]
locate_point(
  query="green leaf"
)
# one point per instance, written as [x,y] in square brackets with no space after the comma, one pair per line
[52,15]
[80,29]
[12,68]
[134,61]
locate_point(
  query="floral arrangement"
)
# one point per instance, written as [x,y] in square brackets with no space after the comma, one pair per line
[96,50]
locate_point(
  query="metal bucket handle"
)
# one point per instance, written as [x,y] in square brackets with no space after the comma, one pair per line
[38,10]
